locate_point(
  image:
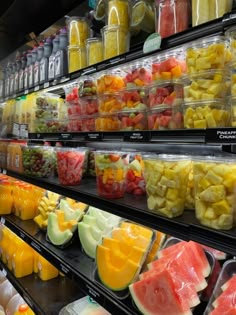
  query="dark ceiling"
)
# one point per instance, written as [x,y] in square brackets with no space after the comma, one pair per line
[18,18]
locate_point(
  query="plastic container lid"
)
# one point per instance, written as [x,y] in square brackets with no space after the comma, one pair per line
[167,157]
[206,41]
[210,102]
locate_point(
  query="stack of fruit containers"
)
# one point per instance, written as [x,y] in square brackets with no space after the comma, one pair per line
[208,83]
[166,92]
[73,107]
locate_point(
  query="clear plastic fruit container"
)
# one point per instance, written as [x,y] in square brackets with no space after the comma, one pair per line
[178,11]
[110,81]
[76,58]
[206,114]
[166,178]
[111,169]
[169,65]
[135,178]
[165,117]
[207,53]
[88,105]
[222,299]
[131,120]
[107,122]
[47,101]
[78,30]
[38,161]
[230,34]
[204,11]
[94,50]
[119,13]
[88,123]
[51,125]
[87,86]
[116,40]
[91,163]
[74,124]
[138,74]
[211,84]
[233,111]
[71,94]
[41,114]
[135,98]
[70,165]
[143,16]
[215,184]
[110,103]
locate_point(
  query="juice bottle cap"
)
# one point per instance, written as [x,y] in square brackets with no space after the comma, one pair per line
[23,307]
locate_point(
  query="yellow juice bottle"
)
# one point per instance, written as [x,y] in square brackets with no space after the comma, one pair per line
[22,259]
[6,198]
[4,243]
[16,196]
[46,270]
[28,205]
[24,309]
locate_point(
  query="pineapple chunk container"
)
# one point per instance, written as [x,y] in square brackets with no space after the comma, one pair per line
[207,53]
[215,198]
[166,178]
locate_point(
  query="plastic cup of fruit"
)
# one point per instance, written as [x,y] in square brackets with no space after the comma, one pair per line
[209,84]
[139,75]
[42,161]
[78,29]
[51,125]
[111,169]
[116,40]
[166,178]
[91,163]
[170,92]
[206,114]
[135,183]
[214,182]
[131,120]
[88,105]
[110,81]
[118,13]
[168,66]
[74,124]
[135,98]
[72,97]
[107,122]
[70,164]
[88,123]
[110,103]
[47,101]
[76,58]
[207,53]
[230,34]
[94,50]
[87,86]
[165,117]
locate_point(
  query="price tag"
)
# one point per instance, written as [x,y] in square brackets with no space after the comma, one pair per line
[46,85]
[16,130]
[92,293]
[94,136]
[116,60]
[22,235]
[221,135]
[36,88]
[36,246]
[65,136]
[26,91]
[65,269]
[24,133]
[136,136]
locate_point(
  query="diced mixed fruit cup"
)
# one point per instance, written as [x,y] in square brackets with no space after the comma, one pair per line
[71,165]
[51,126]
[47,101]
[110,82]
[215,184]
[133,120]
[165,117]
[166,93]
[166,180]
[138,75]
[206,85]
[206,114]
[109,122]
[135,178]
[110,103]
[88,123]
[134,98]
[87,86]
[88,105]
[72,99]
[74,125]
[39,161]
[111,170]
[168,67]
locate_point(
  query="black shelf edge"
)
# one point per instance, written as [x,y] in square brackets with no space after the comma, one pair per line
[72,262]
[135,208]
[59,291]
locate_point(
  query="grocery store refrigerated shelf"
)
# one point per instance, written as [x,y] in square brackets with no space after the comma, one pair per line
[135,208]
[44,297]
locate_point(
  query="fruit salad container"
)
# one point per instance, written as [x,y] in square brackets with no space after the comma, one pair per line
[71,165]
[110,82]
[88,123]
[230,34]
[139,74]
[233,111]
[107,122]
[51,125]
[94,50]
[87,86]
[207,85]
[110,103]
[41,114]
[135,98]
[47,101]
[215,184]
[207,53]
[111,168]
[166,93]
[118,13]
[116,40]
[78,30]
[39,161]
[165,117]
[74,124]
[131,120]
[76,58]
[168,66]
[72,93]
[222,299]
[206,114]
[88,105]
[135,177]
[166,178]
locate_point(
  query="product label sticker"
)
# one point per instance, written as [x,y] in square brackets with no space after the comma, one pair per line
[221,135]
[153,42]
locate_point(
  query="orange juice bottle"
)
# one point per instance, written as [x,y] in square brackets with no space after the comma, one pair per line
[4,243]
[22,259]
[24,309]
[16,196]
[27,209]
[46,270]
[6,198]
[37,195]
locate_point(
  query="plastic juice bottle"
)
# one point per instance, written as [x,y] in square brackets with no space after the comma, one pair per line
[31,68]
[6,198]
[26,70]
[13,304]
[28,206]
[24,309]
[22,259]
[15,194]
[16,78]
[61,63]
[7,292]
[51,62]
[43,73]
[40,52]
[38,194]
[46,270]
[4,243]
[21,72]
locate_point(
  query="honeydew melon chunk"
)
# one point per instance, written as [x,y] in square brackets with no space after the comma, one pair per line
[55,235]
[96,232]
[87,240]
[89,219]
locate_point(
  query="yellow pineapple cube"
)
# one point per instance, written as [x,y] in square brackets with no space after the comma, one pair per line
[204,63]
[218,78]
[230,182]
[196,94]
[204,183]
[166,182]
[225,222]
[213,178]
[161,189]
[151,202]
[200,124]
[216,89]
[160,202]
[222,207]
[208,96]
[172,194]
[222,169]
[204,83]
[200,208]
[169,173]
[213,194]
[210,120]
[210,214]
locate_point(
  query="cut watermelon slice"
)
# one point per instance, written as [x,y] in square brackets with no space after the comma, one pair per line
[223,310]
[200,258]
[180,278]
[156,295]
[169,250]
[228,297]
[215,252]
[230,283]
